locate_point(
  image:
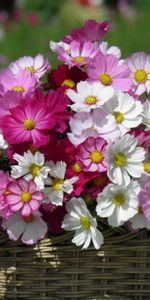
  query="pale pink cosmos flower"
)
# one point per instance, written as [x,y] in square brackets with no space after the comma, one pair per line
[139,65]
[78,54]
[23,82]
[91,154]
[92,31]
[94,124]
[107,70]
[37,65]
[144,200]
[23,197]
[30,229]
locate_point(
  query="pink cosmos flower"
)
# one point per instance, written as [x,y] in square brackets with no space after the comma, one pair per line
[29,122]
[30,229]
[91,154]
[5,179]
[92,31]
[144,200]
[23,82]
[23,197]
[37,65]
[139,65]
[77,55]
[106,69]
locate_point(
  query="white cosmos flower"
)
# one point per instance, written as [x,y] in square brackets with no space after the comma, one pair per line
[126,111]
[31,166]
[105,48]
[146,114]
[125,159]
[96,123]
[57,185]
[89,96]
[118,203]
[80,219]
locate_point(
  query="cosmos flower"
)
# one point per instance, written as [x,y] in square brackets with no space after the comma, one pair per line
[30,229]
[139,65]
[80,220]
[107,70]
[118,203]
[125,160]
[37,65]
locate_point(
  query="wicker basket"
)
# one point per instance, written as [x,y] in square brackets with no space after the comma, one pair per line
[55,269]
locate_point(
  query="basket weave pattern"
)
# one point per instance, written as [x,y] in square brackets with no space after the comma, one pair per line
[56,269]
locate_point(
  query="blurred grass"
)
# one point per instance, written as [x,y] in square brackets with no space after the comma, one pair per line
[130,34]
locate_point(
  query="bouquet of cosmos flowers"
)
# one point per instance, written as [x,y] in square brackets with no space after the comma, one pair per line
[75,147]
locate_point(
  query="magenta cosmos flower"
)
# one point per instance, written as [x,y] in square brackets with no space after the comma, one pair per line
[144,200]
[78,54]
[23,82]
[92,31]
[139,65]
[107,70]
[29,122]
[91,154]
[23,197]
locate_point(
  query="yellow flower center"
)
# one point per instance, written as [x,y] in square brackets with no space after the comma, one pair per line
[28,219]
[78,59]
[118,116]
[85,222]
[147,166]
[76,167]
[120,159]
[96,157]
[25,196]
[68,82]
[99,181]
[18,88]
[34,170]
[105,79]
[28,124]
[56,184]
[30,69]
[90,100]
[119,199]
[140,76]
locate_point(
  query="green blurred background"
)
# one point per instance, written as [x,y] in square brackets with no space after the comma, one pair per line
[26,26]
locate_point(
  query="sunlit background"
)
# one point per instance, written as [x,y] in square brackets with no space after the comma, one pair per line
[26,26]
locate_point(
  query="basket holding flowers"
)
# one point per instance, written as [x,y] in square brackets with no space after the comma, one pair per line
[75,148]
